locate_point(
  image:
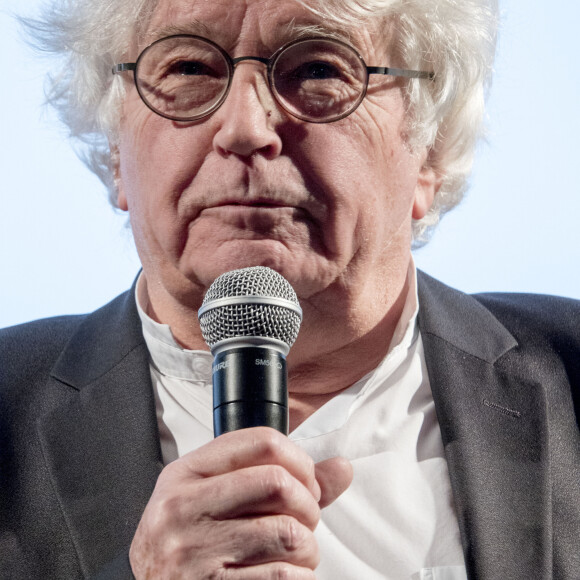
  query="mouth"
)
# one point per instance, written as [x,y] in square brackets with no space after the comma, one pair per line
[259,215]
[257,203]
[238,201]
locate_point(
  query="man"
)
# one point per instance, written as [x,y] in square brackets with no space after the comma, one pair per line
[316,141]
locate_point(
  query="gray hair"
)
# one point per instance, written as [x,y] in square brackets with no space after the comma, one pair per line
[453,38]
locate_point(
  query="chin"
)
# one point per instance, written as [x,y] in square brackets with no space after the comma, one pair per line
[303,275]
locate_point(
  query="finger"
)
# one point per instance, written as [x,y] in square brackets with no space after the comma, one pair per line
[273,571]
[334,476]
[261,490]
[269,539]
[225,549]
[250,447]
[229,544]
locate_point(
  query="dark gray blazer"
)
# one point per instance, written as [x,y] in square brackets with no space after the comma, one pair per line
[79,449]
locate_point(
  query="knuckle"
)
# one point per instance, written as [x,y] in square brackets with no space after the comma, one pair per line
[269,444]
[286,495]
[166,512]
[176,552]
[299,541]
[290,534]
[278,484]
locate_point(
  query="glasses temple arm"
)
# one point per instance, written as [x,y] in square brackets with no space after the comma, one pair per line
[400,72]
[119,68]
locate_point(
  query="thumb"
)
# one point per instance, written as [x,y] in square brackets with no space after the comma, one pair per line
[334,476]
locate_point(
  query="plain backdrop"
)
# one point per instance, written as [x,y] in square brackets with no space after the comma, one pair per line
[64,250]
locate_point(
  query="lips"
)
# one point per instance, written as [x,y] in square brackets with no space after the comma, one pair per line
[261,185]
[268,204]
[249,192]
[254,210]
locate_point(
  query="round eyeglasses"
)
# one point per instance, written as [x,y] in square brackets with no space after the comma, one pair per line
[186,77]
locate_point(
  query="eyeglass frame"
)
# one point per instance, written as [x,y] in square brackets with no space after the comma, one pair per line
[270,63]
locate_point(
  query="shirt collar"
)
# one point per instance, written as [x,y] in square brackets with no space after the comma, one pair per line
[170,358]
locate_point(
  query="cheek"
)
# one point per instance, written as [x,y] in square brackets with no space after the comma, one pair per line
[158,159]
[147,170]
[377,185]
[372,172]
[134,149]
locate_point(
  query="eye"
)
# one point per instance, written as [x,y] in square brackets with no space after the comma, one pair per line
[316,70]
[190,68]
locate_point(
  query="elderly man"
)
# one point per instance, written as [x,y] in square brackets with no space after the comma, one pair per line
[319,139]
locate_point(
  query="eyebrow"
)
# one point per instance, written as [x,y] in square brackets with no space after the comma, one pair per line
[297,31]
[193,27]
[286,32]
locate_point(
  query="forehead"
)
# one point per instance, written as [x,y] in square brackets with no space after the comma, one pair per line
[256,25]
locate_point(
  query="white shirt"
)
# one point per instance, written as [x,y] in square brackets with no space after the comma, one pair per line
[397,519]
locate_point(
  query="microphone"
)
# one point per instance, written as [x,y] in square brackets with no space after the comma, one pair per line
[250,318]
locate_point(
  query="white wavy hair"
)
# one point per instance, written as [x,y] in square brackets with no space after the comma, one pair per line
[453,38]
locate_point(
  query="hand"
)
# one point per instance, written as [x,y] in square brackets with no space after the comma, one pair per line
[243,506]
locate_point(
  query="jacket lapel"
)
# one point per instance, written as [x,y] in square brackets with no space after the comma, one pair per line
[101,445]
[494,430]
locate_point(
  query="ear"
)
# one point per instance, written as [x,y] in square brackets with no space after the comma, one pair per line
[428,184]
[116,166]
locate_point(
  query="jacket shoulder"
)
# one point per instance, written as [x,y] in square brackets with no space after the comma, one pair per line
[29,352]
[450,312]
[30,349]
[538,317]
[538,306]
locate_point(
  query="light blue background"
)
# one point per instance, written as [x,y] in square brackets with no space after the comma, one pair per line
[64,250]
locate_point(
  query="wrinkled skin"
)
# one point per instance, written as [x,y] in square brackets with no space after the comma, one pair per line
[244,506]
[330,207]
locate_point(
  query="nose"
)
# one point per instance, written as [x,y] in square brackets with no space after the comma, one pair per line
[249,116]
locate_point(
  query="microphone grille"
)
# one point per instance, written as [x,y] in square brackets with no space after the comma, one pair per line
[250,302]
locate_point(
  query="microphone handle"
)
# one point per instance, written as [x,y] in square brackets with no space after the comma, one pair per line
[249,389]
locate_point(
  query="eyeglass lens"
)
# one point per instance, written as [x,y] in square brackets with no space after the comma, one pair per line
[319,79]
[182,77]
[186,78]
